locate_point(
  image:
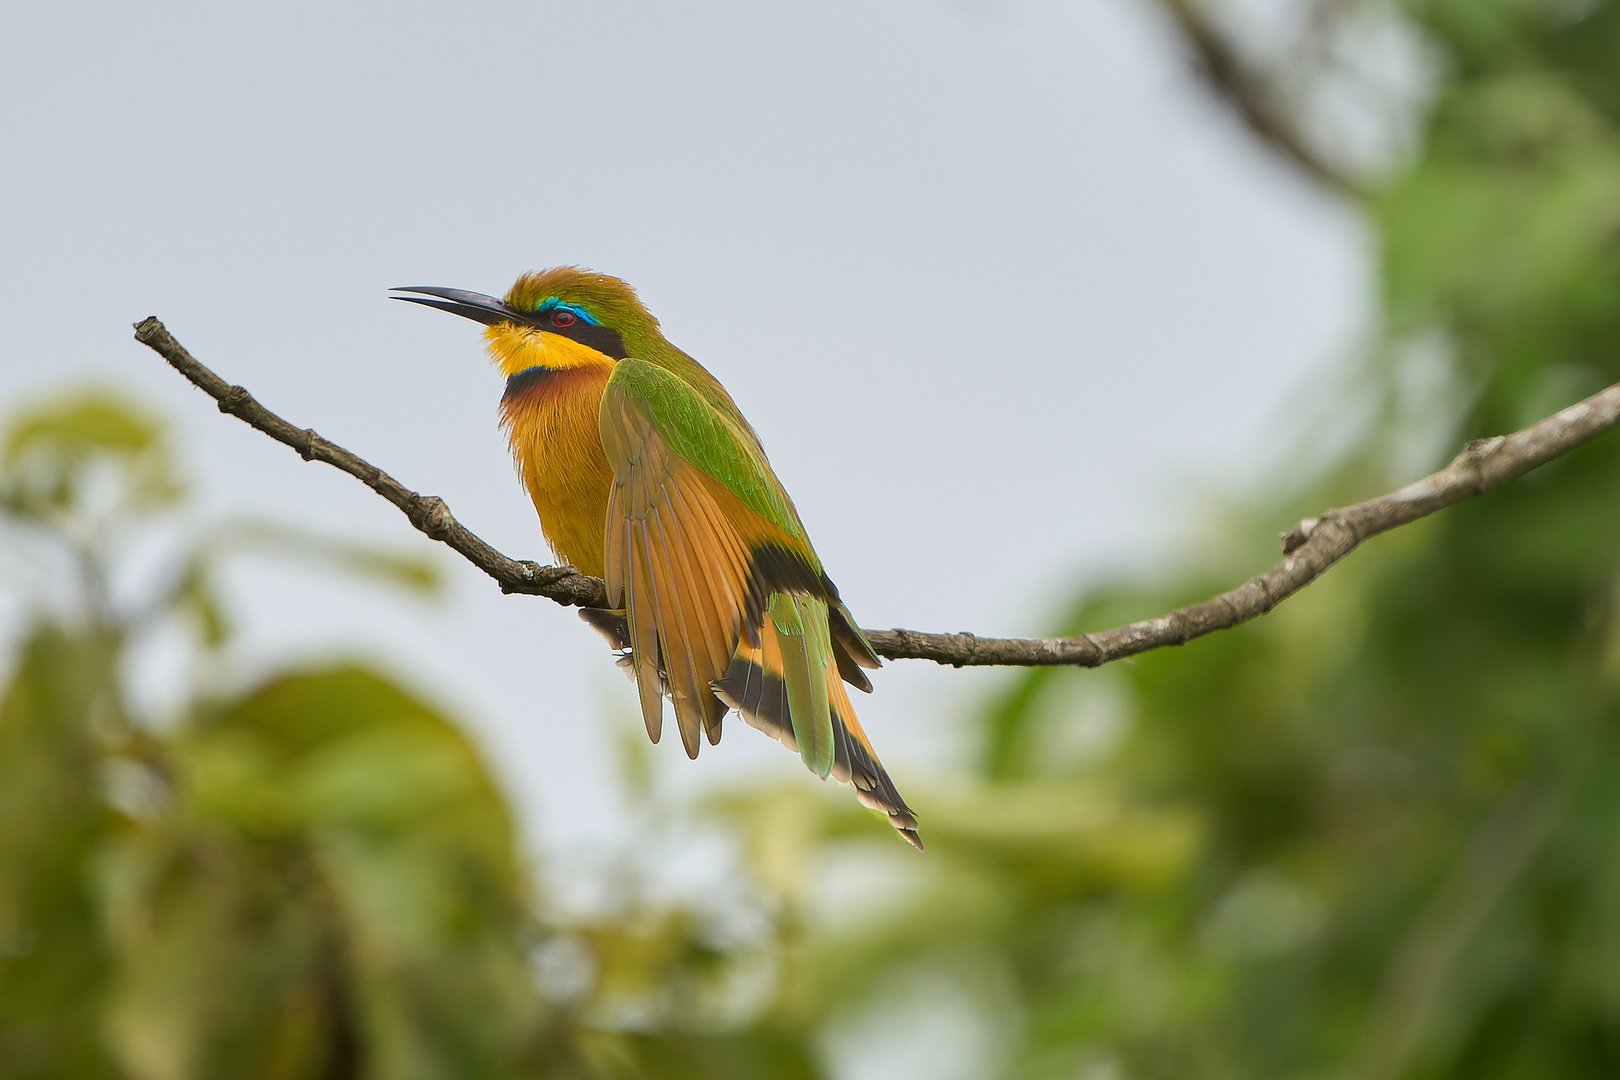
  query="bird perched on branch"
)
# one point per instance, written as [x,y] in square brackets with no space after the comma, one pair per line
[646,475]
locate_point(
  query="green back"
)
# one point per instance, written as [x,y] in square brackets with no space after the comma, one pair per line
[716,441]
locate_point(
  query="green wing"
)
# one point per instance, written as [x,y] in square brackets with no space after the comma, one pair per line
[704,437]
[726,451]
[720,588]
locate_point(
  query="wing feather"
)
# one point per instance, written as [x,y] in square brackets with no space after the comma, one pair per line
[678,575]
[680,666]
[727,564]
[644,640]
[722,604]
[690,554]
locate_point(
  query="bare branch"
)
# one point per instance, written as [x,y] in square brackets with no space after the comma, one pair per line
[428,513]
[1254,100]
[1310,547]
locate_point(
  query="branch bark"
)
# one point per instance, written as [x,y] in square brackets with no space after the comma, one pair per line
[428,513]
[1309,548]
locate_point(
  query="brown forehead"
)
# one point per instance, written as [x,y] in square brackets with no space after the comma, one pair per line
[573,284]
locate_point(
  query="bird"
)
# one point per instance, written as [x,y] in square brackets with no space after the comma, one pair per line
[645,474]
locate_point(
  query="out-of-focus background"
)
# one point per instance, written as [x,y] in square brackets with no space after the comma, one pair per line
[1051,316]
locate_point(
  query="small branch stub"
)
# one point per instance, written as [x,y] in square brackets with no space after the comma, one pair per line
[1295,537]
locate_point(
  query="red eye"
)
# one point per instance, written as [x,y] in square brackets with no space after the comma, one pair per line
[562,318]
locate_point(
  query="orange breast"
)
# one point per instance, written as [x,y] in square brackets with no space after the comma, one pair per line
[550,419]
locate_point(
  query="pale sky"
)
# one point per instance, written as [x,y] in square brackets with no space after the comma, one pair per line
[1004,294]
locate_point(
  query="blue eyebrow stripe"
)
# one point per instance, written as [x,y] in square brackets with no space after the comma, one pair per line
[552,303]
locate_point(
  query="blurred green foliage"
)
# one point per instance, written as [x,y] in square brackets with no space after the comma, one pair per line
[315,877]
[1375,834]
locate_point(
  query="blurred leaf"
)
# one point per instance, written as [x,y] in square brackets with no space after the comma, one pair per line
[413,572]
[337,882]
[195,595]
[53,959]
[728,1057]
[52,451]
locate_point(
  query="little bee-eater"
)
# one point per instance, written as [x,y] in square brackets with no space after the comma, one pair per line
[646,475]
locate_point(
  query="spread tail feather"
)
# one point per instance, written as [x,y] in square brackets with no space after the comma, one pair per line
[755,687]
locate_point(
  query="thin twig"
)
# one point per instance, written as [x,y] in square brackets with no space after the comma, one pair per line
[1253,98]
[1504,843]
[428,513]
[1309,548]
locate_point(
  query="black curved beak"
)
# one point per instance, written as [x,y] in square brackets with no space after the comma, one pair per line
[469,305]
